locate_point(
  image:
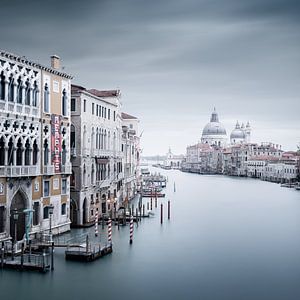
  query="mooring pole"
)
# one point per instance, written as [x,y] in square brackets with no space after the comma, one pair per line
[169,210]
[96,224]
[143,210]
[52,256]
[147,205]
[161,213]
[29,257]
[109,231]
[174,187]
[2,255]
[151,203]
[137,217]
[22,256]
[131,230]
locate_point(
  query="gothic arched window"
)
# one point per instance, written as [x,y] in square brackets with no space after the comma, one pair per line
[64,103]
[46,99]
[27,93]
[35,95]
[11,94]
[2,86]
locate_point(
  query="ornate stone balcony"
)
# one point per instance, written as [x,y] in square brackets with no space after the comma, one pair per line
[15,171]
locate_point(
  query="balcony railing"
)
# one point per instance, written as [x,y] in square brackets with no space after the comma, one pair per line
[18,108]
[67,168]
[48,170]
[15,171]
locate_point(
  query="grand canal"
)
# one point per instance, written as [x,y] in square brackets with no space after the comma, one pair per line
[228,238]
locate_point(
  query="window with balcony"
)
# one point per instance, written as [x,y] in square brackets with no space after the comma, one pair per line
[46,188]
[46,99]
[93,108]
[64,186]
[36,214]
[63,209]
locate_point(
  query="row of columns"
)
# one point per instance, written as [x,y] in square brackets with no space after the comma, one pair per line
[33,94]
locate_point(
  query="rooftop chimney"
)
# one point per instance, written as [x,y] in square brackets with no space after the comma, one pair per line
[55,62]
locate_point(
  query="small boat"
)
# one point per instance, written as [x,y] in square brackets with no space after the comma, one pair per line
[153,195]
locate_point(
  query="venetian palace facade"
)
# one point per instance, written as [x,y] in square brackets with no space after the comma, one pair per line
[34,146]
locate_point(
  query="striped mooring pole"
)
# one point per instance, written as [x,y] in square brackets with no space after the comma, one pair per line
[96,223]
[131,230]
[109,231]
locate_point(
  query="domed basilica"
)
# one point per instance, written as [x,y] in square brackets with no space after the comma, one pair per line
[214,133]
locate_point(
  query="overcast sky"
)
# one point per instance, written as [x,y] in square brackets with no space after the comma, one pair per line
[174,60]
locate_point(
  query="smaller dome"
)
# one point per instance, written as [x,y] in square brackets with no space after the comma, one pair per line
[238,132]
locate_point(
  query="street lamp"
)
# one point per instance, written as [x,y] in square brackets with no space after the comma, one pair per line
[15,217]
[50,210]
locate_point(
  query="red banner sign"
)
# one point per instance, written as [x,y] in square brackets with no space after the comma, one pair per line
[56,142]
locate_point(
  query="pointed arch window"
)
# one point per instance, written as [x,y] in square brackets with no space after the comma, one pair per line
[2,151]
[46,152]
[27,93]
[10,152]
[2,86]
[46,99]
[27,153]
[35,95]
[19,91]
[35,153]
[11,90]
[64,103]
[19,153]
[64,153]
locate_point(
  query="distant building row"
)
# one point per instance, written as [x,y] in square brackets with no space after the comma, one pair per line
[241,158]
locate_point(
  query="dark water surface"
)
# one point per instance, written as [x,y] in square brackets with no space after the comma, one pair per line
[228,238]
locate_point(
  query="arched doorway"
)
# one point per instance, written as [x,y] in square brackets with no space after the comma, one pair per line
[73,212]
[18,204]
[84,211]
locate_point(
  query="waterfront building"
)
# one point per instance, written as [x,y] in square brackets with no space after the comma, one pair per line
[34,130]
[241,134]
[214,132]
[96,153]
[131,156]
[173,161]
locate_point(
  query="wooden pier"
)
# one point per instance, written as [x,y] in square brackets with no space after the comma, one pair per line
[87,255]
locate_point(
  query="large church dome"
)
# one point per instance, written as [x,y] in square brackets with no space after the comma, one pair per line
[214,132]
[214,127]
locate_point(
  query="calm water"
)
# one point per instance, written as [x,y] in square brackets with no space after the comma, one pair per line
[228,238]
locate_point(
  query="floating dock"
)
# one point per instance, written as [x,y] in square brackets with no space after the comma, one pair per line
[82,254]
